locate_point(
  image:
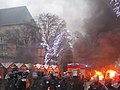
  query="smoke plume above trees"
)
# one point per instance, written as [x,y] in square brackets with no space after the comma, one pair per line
[100,45]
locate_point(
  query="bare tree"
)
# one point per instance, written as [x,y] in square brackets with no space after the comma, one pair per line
[52,28]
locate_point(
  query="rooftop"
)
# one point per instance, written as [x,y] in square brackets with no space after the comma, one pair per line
[16,15]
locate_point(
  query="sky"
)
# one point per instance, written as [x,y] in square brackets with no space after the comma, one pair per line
[71,11]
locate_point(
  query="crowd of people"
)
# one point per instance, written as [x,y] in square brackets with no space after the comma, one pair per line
[107,85]
[38,80]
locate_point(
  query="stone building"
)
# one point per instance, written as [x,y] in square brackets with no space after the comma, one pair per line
[19,36]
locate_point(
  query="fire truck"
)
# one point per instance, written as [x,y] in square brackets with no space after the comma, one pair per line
[84,70]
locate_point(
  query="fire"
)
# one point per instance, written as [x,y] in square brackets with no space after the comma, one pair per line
[108,72]
[101,77]
[111,73]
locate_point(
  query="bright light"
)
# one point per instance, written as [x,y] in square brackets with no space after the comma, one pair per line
[53,51]
[101,77]
[86,65]
[111,73]
[116,7]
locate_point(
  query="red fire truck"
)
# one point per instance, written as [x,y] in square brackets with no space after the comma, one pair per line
[84,70]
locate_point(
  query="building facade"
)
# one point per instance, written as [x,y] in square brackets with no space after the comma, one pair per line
[19,36]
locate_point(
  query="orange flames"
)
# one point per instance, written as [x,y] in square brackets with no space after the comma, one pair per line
[101,77]
[109,73]
[98,73]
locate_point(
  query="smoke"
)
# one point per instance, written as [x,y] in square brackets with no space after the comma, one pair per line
[73,12]
[95,19]
[100,45]
[76,13]
[12,3]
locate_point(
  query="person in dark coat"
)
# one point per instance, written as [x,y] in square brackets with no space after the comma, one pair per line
[75,82]
[14,80]
[22,81]
[108,84]
[9,78]
[63,83]
[96,85]
[46,81]
[53,81]
[37,81]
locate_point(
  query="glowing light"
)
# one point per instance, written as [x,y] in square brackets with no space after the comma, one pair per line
[111,73]
[54,50]
[98,73]
[86,65]
[116,4]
